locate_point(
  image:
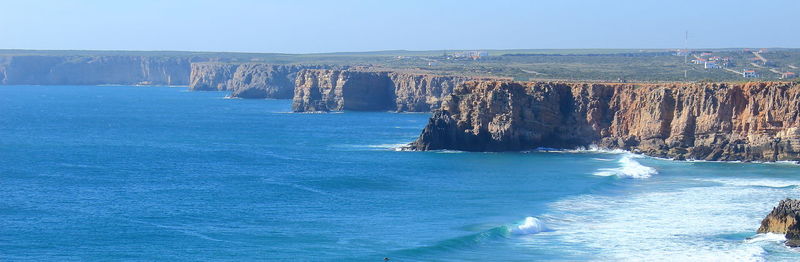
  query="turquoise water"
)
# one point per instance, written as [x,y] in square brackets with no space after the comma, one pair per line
[157,173]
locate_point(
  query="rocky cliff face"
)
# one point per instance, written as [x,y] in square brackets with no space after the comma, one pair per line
[336,90]
[421,92]
[94,70]
[783,220]
[747,122]
[211,76]
[247,80]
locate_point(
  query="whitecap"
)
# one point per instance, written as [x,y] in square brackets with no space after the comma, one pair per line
[741,182]
[628,168]
[530,225]
[449,151]
[678,224]
[596,149]
[767,237]
[392,147]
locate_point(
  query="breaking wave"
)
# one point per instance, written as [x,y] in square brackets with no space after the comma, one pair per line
[768,237]
[628,168]
[767,183]
[530,225]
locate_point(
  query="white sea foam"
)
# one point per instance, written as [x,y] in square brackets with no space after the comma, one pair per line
[530,225]
[628,168]
[597,149]
[449,151]
[677,224]
[393,147]
[768,237]
[743,182]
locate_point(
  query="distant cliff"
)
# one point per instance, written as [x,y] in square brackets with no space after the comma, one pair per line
[747,122]
[95,70]
[336,90]
[247,80]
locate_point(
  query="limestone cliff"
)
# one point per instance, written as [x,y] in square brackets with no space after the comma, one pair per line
[747,122]
[783,220]
[211,76]
[422,92]
[336,90]
[95,70]
[247,80]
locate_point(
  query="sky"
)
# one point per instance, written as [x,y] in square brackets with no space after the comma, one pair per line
[316,26]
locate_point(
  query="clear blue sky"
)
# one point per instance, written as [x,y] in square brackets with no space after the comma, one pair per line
[305,26]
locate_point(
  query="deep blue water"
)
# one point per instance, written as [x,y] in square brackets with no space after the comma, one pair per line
[158,173]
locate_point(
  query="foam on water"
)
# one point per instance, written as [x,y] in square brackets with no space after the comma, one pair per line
[597,149]
[683,224]
[392,147]
[742,182]
[769,237]
[628,168]
[530,225]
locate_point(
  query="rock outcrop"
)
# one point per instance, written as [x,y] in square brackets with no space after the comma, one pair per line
[719,121]
[247,80]
[784,220]
[211,76]
[95,70]
[336,90]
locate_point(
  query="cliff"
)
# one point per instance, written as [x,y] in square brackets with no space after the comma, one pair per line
[94,70]
[247,80]
[211,76]
[783,220]
[746,122]
[336,90]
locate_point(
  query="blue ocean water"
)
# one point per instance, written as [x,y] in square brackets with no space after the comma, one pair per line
[158,173]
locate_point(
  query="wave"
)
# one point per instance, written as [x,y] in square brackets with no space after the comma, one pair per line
[597,149]
[530,225]
[391,147]
[628,168]
[675,224]
[767,237]
[770,183]
[395,147]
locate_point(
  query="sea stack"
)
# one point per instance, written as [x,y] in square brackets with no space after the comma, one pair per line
[783,220]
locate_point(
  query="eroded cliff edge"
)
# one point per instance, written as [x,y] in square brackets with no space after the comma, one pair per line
[247,80]
[720,121]
[95,70]
[368,90]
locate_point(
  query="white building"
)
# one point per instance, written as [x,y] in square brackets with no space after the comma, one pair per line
[747,73]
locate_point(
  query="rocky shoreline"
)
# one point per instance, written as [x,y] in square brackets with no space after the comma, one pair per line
[755,121]
[708,121]
[784,220]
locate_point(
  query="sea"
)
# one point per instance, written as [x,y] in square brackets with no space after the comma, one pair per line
[133,173]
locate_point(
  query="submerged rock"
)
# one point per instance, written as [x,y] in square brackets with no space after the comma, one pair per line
[783,220]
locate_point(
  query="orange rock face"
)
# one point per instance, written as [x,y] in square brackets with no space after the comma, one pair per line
[709,121]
